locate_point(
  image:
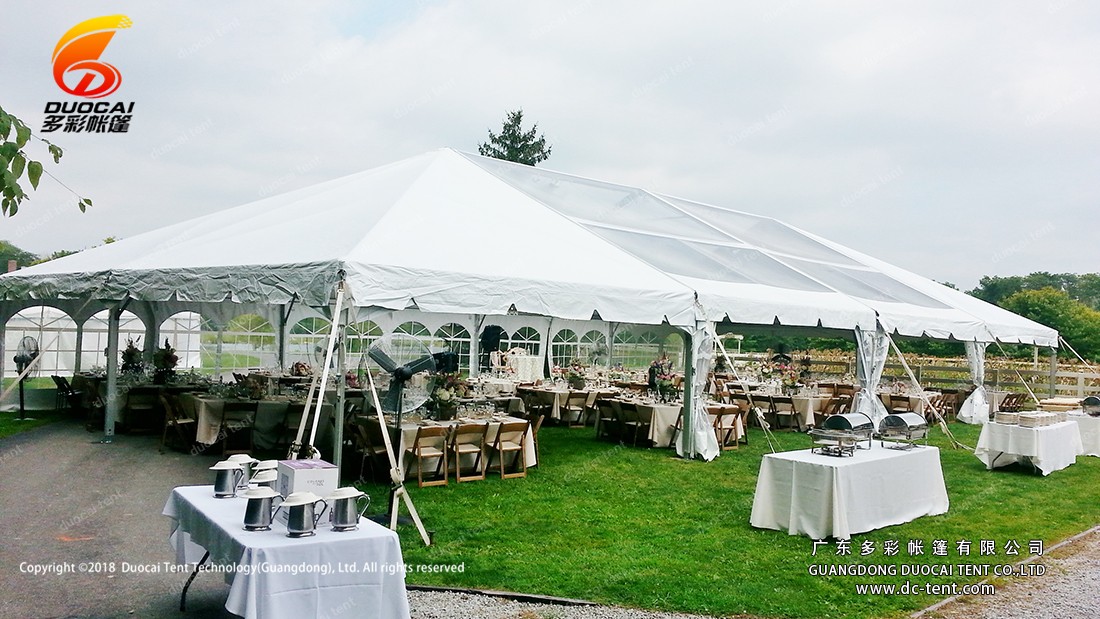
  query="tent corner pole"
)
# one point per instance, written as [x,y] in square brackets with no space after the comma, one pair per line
[687,420]
[114,314]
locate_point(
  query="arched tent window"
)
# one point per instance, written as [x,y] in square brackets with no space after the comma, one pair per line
[306,336]
[564,347]
[249,341]
[457,339]
[55,333]
[527,338]
[183,331]
[130,327]
[636,350]
[593,348]
[361,335]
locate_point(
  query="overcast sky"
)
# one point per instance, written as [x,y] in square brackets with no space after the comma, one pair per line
[952,139]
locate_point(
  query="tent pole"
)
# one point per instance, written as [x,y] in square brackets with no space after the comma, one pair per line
[218,352]
[1053,372]
[79,347]
[341,386]
[114,313]
[475,346]
[686,419]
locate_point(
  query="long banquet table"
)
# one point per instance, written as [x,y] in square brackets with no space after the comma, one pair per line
[270,415]
[260,566]
[827,496]
[1047,448]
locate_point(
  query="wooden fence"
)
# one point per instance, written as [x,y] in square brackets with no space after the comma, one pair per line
[1050,382]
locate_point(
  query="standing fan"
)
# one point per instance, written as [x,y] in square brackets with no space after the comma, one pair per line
[25,356]
[409,365]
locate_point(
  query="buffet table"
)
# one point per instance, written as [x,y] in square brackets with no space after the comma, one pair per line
[827,496]
[1047,448]
[361,570]
[1089,427]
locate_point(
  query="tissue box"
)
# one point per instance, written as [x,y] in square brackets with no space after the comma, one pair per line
[316,476]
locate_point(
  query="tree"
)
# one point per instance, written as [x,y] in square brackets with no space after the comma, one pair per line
[515,144]
[1075,321]
[8,251]
[14,162]
[1084,288]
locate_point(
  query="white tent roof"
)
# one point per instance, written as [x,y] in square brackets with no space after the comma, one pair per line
[452,232]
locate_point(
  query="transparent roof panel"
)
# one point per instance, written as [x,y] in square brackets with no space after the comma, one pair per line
[599,202]
[871,285]
[763,232]
[708,261]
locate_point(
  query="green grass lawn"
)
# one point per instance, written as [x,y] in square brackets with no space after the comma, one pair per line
[10,423]
[640,528]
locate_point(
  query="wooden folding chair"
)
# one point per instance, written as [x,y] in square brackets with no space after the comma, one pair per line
[783,407]
[724,422]
[632,423]
[371,444]
[468,439]
[837,405]
[677,428]
[574,410]
[238,420]
[900,404]
[430,443]
[181,426]
[607,422]
[510,438]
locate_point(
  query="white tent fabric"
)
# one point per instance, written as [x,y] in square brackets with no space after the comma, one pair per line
[975,409]
[698,437]
[582,247]
[871,350]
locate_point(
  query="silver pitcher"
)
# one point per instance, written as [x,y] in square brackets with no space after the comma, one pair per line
[266,479]
[346,512]
[245,462]
[302,514]
[260,509]
[227,476]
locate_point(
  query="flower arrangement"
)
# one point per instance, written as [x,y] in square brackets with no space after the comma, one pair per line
[449,386]
[164,363]
[301,368]
[131,359]
[575,375]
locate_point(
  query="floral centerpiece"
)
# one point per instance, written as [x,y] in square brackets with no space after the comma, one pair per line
[164,363]
[575,376]
[665,388]
[132,362]
[449,387]
[301,368]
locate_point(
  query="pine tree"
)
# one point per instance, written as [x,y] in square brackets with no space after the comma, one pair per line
[515,144]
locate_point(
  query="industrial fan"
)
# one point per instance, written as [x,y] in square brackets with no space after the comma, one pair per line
[25,357]
[409,365]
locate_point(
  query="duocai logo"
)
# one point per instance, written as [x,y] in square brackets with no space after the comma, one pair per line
[77,68]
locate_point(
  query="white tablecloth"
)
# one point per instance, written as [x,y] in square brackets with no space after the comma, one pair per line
[1048,448]
[526,368]
[261,584]
[207,411]
[1090,432]
[827,496]
[806,405]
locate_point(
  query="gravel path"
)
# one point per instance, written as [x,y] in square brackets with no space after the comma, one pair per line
[437,605]
[1070,589]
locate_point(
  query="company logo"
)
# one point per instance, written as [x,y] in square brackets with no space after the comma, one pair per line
[77,68]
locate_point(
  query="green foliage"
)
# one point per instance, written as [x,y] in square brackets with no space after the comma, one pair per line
[515,144]
[9,251]
[14,162]
[1084,288]
[61,253]
[1077,323]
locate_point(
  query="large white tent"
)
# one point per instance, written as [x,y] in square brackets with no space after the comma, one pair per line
[457,233]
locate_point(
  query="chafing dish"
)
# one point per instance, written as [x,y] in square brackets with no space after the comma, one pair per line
[1091,405]
[904,429]
[841,435]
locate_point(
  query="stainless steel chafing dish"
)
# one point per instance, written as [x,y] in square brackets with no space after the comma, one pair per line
[903,429]
[1091,405]
[841,435]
